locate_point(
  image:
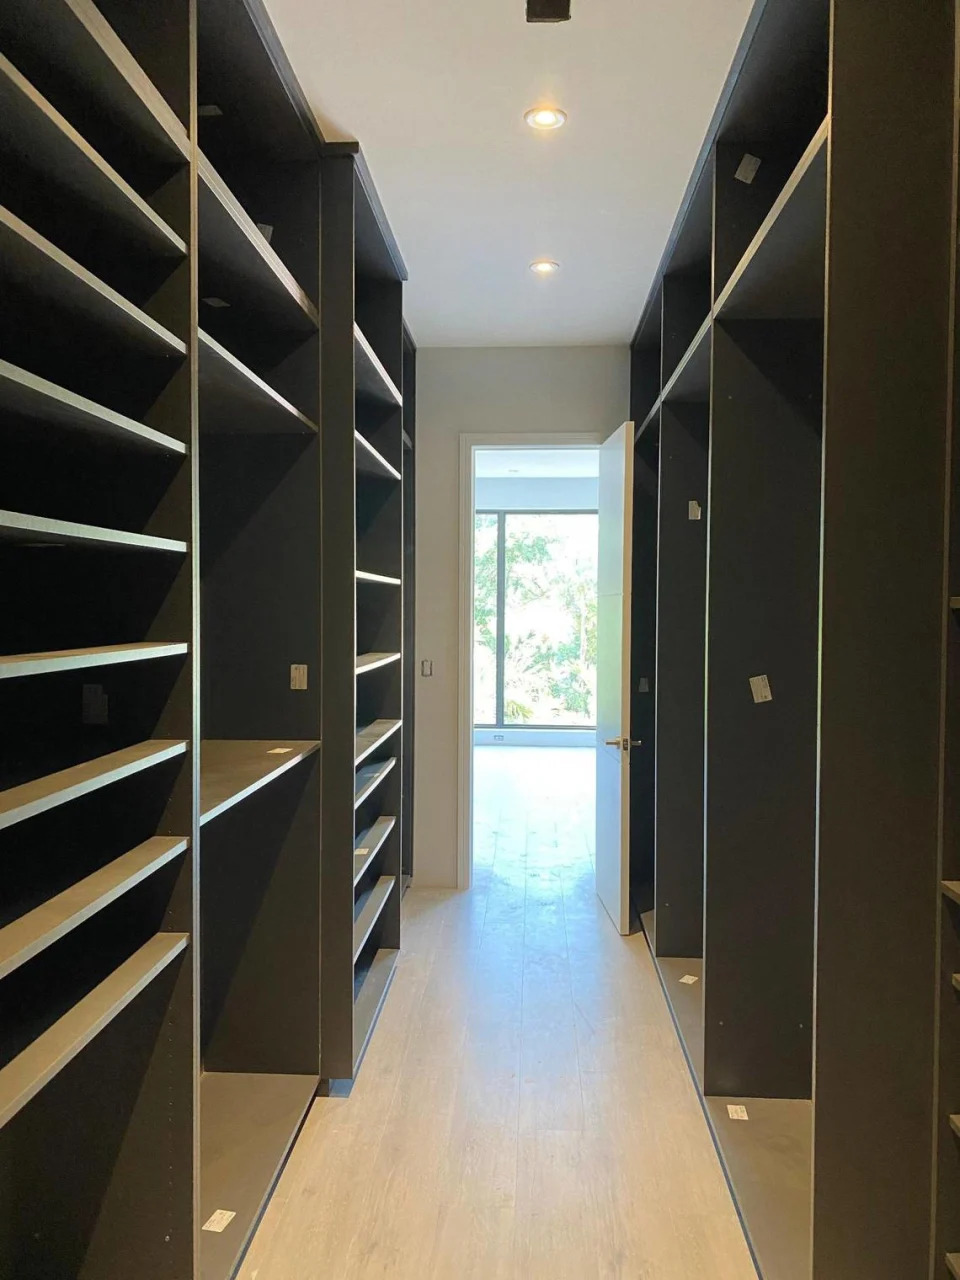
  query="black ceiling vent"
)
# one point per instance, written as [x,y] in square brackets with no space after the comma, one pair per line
[548,10]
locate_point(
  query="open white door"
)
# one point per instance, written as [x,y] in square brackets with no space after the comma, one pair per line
[613,675]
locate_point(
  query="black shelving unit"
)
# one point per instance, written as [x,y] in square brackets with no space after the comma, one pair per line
[160,813]
[365,562]
[409,435]
[798,319]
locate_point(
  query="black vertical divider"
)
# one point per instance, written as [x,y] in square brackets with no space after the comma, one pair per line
[364,563]
[887,363]
[409,595]
[97,1152]
[681,595]
[160,388]
[763,581]
[830,639]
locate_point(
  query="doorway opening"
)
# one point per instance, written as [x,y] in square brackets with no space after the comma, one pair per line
[531,681]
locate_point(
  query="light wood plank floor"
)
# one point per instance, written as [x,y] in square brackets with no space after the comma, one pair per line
[524,1111]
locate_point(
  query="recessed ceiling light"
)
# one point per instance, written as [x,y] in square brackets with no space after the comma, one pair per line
[544,267]
[545,117]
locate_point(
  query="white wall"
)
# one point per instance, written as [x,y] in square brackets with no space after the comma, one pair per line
[468,391]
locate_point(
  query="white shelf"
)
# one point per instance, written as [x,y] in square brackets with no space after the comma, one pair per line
[369,778]
[368,845]
[372,380]
[370,912]
[372,736]
[16,665]
[40,928]
[30,798]
[233,768]
[372,463]
[33,261]
[233,245]
[371,661]
[24,1077]
[234,399]
[75,35]
[40,401]
[26,529]
[38,132]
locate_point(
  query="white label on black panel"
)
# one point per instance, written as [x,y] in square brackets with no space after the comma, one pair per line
[693,510]
[737,1112]
[747,169]
[219,1220]
[298,675]
[644,685]
[760,688]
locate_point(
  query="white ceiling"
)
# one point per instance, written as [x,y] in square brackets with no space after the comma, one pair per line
[436,89]
[536,463]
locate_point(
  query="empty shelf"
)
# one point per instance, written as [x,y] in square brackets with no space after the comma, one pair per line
[40,401]
[25,529]
[369,778]
[369,999]
[37,131]
[372,736]
[953,1265]
[690,382]
[686,1004]
[248,1123]
[40,928]
[232,769]
[372,380]
[382,578]
[368,845]
[30,798]
[370,661]
[951,889]
[370,911]
[234,247]
[24,1077]
[372,463]
[29,258]
[768,1159]
[234,399]
[79,40]
[781,275]
[16,665]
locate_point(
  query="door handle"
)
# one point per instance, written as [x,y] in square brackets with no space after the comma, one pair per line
[623,743]
[612,742]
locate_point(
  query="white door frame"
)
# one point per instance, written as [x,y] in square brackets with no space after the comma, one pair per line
[468,446]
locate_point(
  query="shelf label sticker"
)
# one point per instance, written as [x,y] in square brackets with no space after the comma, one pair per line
[737,1112]
[361,853]
[748,168]
[219,1220]
[644,685]
[298,675]
[266,230]
[689,979]
[694,511]
[760,688]
[279,751]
